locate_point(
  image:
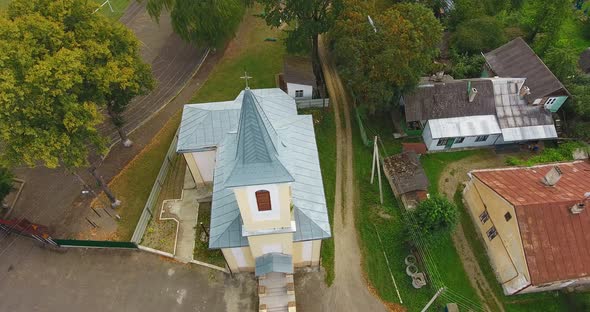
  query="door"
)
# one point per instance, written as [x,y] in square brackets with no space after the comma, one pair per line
[449,143]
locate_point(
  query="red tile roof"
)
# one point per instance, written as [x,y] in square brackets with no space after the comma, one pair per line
[556,242]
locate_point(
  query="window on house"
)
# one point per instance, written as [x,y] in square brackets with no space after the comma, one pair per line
[459,140]
[298,93]
[508,216]
[492,233]
[442,142]
[263,200]
[484,217]
[481,138]
[550,101]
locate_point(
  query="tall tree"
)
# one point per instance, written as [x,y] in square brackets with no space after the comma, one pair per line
[206,22]
[309,19]
[542,19]
[60,67]
[378,63]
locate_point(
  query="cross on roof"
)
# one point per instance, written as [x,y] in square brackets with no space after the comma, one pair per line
[246,77]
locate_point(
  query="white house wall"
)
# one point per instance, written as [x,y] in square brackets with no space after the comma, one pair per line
[307,90]
[431,143]
[206,163]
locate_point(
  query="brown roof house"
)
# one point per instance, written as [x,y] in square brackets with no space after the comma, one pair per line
[407,178]
[517,59]
[535,223]
[476,113]
[298,79]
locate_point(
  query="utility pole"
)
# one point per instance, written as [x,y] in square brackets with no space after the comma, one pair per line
[377,163]
[440,291]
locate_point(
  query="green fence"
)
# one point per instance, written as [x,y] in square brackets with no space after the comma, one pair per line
[364,136]
[94,244]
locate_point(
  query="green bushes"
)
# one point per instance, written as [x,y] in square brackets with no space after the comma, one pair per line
[433,218]
[563,153]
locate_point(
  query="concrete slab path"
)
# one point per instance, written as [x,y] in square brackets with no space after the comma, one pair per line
[186,211]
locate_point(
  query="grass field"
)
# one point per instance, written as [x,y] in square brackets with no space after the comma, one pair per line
[325,132]
[388,221]
[248,52]
[134,183]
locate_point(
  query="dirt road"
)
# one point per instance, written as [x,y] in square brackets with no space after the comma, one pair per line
[349,291]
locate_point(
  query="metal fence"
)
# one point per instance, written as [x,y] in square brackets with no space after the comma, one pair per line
[94,244]
[152,201]
[312,103]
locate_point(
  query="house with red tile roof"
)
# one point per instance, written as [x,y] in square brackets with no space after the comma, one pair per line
[535,223]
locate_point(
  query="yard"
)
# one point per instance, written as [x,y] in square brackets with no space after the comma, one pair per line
[445,171]
[388,220]
[134,183]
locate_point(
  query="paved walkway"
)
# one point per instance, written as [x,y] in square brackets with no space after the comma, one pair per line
[38,279]
[185,211]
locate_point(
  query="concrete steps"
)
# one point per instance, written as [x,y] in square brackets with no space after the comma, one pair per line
[275,295]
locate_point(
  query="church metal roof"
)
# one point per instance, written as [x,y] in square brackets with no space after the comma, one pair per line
[215,126]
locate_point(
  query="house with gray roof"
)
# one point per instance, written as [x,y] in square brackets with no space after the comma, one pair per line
[516,59]
[268,210]
[476,113]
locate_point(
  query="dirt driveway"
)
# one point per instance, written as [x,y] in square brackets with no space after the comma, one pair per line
[349,292]
[452,176]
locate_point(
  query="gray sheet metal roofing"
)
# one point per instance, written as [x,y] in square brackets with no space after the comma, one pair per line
[517,59]
[273,262]
[449,99]
[296,150]
[256,161]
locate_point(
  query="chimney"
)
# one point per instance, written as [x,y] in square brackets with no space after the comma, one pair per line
[524,90]
[579,207]
[552,176]
[472,94]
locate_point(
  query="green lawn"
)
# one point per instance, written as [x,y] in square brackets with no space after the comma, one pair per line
[391,230]
[325,132]
[261,59]
[134,184]
[119,7]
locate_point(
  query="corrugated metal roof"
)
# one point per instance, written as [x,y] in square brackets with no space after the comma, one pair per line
[256,160]
[464,126]
[274,262]
[297,151]
[529,133]
[555,241]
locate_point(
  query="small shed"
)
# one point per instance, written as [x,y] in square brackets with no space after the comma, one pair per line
[407,178]
[298,79]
